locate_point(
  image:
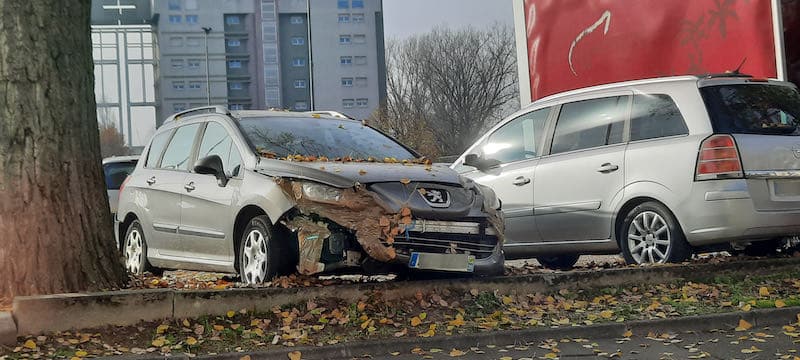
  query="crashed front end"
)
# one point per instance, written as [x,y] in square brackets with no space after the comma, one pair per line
[420,225]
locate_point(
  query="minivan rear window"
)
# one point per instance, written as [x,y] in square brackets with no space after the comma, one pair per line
[753,109]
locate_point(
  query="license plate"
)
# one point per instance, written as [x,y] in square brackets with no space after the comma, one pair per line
[442,262]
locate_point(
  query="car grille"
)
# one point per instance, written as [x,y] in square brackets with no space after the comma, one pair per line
[446,237]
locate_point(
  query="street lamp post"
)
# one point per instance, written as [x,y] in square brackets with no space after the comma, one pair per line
[208,81]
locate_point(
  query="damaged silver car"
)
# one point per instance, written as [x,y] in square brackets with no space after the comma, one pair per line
[263,193]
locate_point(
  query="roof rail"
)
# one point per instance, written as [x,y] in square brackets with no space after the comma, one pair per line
[212,109]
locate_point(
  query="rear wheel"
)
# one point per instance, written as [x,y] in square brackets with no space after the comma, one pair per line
[134,251]
[559,262]
[650,234]
[259,256]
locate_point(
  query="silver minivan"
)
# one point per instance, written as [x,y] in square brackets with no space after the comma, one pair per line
[656,169]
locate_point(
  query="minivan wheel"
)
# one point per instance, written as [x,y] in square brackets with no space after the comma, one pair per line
[650,234]
[134,251]
[259,256]
[559,262]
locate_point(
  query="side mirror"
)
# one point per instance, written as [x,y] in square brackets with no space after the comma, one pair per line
[212,165]
[480,163]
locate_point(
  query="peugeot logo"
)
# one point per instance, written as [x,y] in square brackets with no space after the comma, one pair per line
[796,151]
[436,197]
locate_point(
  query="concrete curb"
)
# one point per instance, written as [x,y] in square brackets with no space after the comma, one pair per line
[35,314]
[382,348]
[8,329]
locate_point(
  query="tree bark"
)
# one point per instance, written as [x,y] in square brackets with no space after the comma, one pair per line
[55,227]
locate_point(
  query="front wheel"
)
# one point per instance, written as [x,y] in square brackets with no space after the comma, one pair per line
[259,256]
[650,234]
[559,262]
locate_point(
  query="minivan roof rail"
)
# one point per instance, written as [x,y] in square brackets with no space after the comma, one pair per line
[212,109]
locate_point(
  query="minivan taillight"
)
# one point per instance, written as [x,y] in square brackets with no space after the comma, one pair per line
[718,159]
[124,182]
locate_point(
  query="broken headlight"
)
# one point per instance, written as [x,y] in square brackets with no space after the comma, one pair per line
[321,193]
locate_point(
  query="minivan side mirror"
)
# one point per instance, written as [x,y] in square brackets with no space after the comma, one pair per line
[480,163]
[212,165]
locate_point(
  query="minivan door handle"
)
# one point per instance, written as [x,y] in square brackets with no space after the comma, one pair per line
[521,180]
[607,168]
[151,180]
[189,186]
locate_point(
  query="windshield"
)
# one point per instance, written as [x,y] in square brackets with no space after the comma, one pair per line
[753,109]
[282,137]
[116,173]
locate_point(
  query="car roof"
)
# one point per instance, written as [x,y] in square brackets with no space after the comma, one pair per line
[120,159]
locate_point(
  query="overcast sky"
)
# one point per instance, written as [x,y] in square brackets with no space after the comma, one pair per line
[403,18]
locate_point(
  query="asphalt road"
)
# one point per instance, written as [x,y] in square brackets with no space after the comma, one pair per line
[756,343]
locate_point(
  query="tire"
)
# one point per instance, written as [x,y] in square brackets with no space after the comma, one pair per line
[559,262]
[134,251]
[650,234]
[259,253]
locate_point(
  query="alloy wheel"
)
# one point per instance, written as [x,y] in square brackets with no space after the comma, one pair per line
[133,252]
[254,259]
[649,238]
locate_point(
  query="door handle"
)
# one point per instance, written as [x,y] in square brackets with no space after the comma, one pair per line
[607,168]
[521,180]
[189,186]
[151,180]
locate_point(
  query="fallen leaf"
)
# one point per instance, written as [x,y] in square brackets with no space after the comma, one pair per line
[158,342]
[763,291]
[415,321]
[295,355]
[780,303]
[606,314]
[743,325]
[81,353]
[246,357]
[405,212]
[456,353]
[231,313]
[162,329]
[423,315]
[219,327]
[30,344]
[405,181]
[628,334]
[191,341]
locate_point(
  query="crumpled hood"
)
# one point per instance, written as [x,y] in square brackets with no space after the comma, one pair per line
[344,175]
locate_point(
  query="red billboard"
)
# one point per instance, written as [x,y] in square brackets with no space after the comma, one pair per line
[578,43]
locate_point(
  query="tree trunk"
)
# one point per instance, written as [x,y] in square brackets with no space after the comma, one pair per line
[55,227]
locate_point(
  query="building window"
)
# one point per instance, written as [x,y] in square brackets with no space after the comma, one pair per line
[296,20]
[195,85]
[177,63]
[299,62]
[298,41]
[300,105]
[347,81]
[234,43]
[174,4]
[234,64]
[344,18]
[193,63]
[343,4]
[236,107]
[358,4]
[346,60]
[174,19]
[178,107]
[344,39]
[361,60]
[191,4]
[358,18]
[235,86]
[233,20]
[191,19]
[348,103]
[360,39]
[178,85]
[362,103]
[361,81]
[176,41]
[193,41]
[299,84]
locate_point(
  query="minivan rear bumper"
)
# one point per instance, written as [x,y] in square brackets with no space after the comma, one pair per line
[722,211]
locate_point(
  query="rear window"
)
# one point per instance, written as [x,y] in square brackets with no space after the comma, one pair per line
[753,109]
[117,172]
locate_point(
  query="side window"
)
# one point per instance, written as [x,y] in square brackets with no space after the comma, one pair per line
[655,116]
[590,123]
[216,141]
[518,139]
[179,150]
[156,147]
